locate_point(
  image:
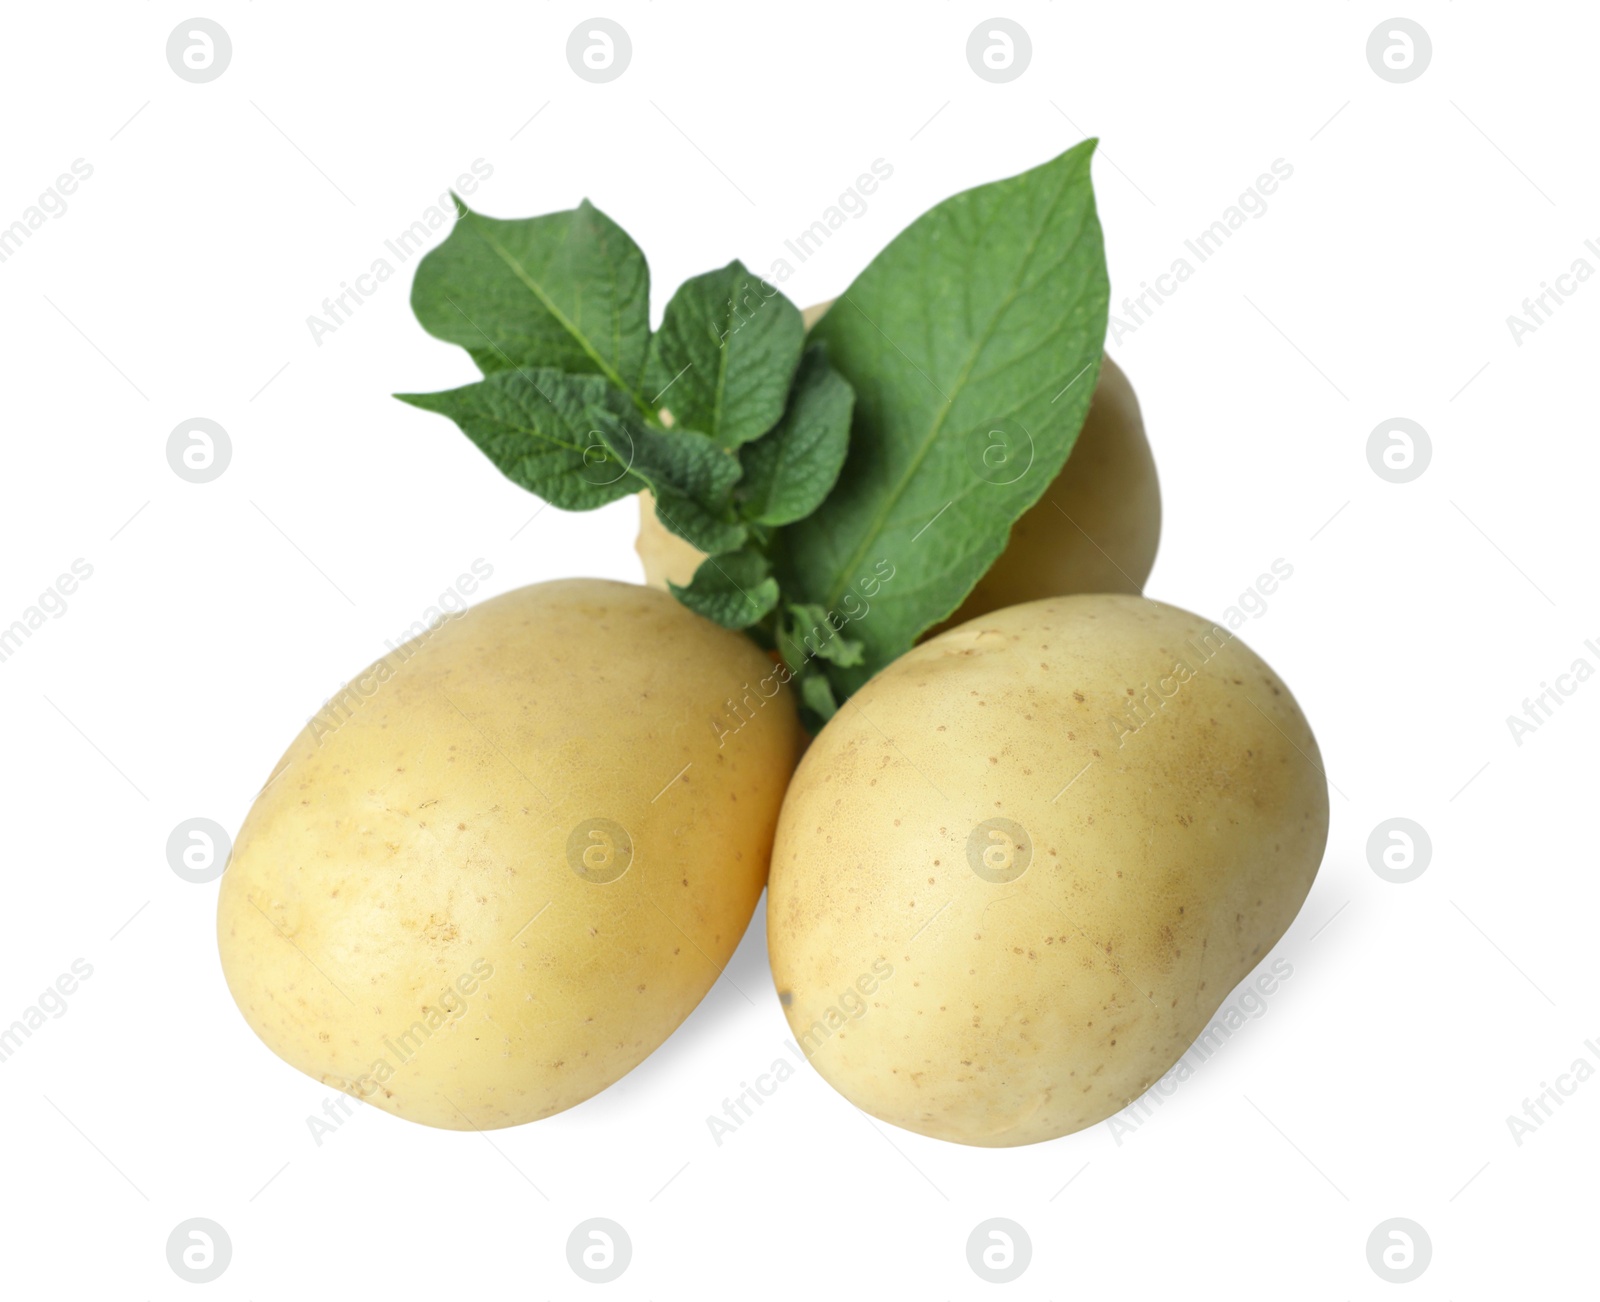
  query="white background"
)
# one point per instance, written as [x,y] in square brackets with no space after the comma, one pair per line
[219,616]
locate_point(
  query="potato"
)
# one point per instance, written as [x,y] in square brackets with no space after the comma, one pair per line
[502,867]
[1019,871]
[1095,529]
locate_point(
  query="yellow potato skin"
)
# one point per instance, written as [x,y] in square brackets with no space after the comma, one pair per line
[1166,860]
[401,918]
[1096,529]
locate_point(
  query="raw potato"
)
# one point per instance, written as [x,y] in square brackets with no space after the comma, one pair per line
[1001,983]
[404,918]
[1095,529]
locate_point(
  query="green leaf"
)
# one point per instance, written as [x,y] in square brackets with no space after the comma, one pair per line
[725,354]
[816,693]
[691,477]
[789,470]
[972,342]
[807,634]
[704,529]
[734,590]
[569,291]
[535,426]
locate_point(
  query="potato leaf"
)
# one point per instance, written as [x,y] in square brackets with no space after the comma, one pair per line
[691,477]
[789,470]
[535,426]
[724,357]
[807,634]
[972,343]
[818,703]
[734,590]
[849,494]
[568,291]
